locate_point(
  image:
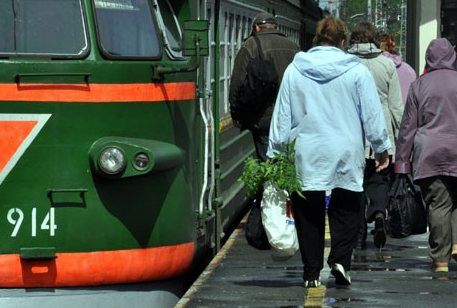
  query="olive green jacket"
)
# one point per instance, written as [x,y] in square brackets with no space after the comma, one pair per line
[276,48]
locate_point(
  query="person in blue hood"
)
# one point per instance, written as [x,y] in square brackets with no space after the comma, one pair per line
[328,104]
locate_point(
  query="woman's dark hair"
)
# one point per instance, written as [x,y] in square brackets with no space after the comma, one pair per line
[364,32]
[331,31]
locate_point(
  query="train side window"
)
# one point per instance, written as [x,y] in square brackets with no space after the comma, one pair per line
[43,27]
[126,29]
[171,28]
[6,27]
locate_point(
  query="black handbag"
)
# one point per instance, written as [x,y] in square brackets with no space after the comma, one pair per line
[406,210]
[254,230]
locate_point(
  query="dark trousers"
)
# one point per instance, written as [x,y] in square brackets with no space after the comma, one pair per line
[261,147]
[376,187]
[261,144]
[344,219]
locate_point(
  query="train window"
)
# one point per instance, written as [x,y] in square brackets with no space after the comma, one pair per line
[170,25]
[31,27]
[126,29]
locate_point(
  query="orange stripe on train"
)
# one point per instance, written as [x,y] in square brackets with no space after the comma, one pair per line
[98,93]
[96,268]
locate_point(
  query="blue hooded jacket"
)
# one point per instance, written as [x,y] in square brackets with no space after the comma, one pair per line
[328,104]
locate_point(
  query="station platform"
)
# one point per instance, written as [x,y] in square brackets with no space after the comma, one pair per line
[397,276]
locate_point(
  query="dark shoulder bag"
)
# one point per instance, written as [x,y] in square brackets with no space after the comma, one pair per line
[254,230]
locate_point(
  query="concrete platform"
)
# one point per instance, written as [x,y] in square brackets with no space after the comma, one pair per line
[397,276]
[140,295]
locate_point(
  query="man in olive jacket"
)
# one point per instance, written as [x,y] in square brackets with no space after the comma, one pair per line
[276,48]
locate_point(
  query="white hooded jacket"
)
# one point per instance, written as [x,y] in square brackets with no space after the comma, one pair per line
[328,103]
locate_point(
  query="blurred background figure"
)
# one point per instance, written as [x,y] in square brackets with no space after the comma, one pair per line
[364,44]
[406,73]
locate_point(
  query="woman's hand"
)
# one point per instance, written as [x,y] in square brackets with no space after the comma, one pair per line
[381,161]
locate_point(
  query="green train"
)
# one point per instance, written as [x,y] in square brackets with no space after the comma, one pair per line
[118,159]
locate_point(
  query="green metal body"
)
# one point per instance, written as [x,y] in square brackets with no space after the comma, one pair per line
[136,212]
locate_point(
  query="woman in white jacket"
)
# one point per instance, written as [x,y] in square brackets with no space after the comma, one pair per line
[327,104]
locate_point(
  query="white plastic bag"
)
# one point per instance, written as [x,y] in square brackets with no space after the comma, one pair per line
[278,222]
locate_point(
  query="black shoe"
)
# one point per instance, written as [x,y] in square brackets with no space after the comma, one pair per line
[312,283]
[341,276]
[379,235]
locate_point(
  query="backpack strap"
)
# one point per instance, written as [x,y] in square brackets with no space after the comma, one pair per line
[259,47]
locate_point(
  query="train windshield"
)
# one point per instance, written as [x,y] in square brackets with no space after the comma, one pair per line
[126,29]
[42,27]
[171,28]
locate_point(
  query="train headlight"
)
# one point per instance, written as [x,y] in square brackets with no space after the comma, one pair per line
[141,161]
[112,161]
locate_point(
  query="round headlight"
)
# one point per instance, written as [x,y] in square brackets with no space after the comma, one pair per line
[141,161]
[112,161]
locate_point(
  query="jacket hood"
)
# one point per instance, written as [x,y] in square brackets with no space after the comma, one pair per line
[324,63]
[366,50]
[440,55]
[395,58]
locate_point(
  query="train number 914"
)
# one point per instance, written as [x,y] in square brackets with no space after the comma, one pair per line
[16,217]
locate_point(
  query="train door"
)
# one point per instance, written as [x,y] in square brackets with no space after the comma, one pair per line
[229,27]
[234,26]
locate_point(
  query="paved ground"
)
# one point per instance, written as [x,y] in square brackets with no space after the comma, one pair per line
[398,276]
[141,295]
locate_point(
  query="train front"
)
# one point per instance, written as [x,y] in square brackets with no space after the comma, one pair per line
[97,155]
